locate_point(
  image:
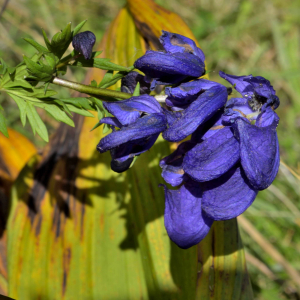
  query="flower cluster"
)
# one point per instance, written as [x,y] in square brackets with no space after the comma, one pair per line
[232,150]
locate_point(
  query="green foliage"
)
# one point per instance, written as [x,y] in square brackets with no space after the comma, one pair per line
[22,83]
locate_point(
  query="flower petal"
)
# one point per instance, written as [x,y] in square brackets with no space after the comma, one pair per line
[128,111]
[227,196]
[142,128]
[201,110]
[240,104]
[173,43]
[130,81]
[172,170]
[168,68]
[259,152]
[120,167]
[213,157]
[267,117]
[187,92]
[83,42]
[111,121]
[133,148]
[261,86]
[243,87]
[185,221]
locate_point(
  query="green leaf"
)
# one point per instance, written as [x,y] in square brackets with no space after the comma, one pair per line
[36,45]
[114,79]
[36,122]
[79,102]
[136,91]
[11,72]
[46,87]
[93,83]
[96,126]
[106,79]
[133,162]
[3,127]
[78,27]
[17,83]
[106,128]
[3,67]
[100,113]
[59,102]
[59,42]
[99,63]
[39,72]
[79,111]
[50,58]
[56,112]
[47,42]
[21,104]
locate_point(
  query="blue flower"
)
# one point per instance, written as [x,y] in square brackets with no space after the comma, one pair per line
[130,81]
[180,60]
[140,120]
[223,168]
[199,111]
[83,43]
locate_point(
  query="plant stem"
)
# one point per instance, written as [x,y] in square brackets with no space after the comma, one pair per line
[89,89]
[67,59]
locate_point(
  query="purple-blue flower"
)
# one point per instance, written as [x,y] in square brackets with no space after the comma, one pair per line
[130,81]
[83,43]
[180,60]
[225,166]
[136,124]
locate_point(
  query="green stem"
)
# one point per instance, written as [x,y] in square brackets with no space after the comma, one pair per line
[87,89]
[67,59]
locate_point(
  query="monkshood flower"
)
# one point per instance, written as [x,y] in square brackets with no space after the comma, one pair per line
[181,59]
[83,43]
[211,99]
[223,169]
[136,125]
[130,81]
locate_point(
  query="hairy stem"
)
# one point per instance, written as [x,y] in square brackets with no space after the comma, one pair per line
[86,89]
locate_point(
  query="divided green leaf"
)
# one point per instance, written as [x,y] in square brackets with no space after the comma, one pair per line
[3,127]
[78,27]
[38,71]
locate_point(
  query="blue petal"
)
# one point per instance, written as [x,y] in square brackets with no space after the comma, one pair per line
[130,81]
[173,42]
[197,113]
[240,104]
[142,128]
[169,68]
[209,128]
[261,86]
[187,92]
[259,152]
[227,196]
[172,170]
[83,42]
[111,121]
[120,167]
[239,83]
[213,157]
[133,148]
[128,111]
[267,118]
[185,221]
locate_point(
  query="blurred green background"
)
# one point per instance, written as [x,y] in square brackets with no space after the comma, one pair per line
[238,37]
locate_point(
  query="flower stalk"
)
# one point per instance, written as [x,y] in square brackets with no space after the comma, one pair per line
[90,90]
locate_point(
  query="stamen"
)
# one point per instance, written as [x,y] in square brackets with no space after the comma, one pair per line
[240,112]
